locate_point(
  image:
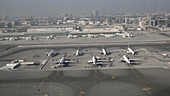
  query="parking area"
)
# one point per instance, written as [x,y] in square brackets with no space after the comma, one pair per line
[144,58]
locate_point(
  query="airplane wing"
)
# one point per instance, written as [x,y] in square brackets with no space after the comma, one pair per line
[135,63]
[123,50]
[118,50]
[94,51]
[98,63]
[133,60]
[46,52]
[101,63]
[50,51]
[100,60]
[56,61]
[69,61]
[97,57]
[139,50]
[90,60]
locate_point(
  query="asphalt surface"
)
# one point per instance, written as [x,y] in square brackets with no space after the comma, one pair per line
[134,82]
[91,82]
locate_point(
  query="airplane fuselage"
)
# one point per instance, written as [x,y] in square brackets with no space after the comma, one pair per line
[131,51]
[62,60]
[50,53]
[104,51]
[94,60]
[126,59]
[77,53]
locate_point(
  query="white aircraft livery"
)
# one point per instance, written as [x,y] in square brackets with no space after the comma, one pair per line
[95,60]
[126,59]
[104,51]
[129,61]
[52,53]
[129,50]
[98,61]
[78,52]
[63,61]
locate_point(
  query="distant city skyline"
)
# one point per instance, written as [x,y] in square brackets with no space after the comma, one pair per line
[79,7]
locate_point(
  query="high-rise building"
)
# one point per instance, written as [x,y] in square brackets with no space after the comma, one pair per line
[3,16]
[96,13]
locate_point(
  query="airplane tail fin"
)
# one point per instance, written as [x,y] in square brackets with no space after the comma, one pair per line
[65,54]
[128,44]
[78,47]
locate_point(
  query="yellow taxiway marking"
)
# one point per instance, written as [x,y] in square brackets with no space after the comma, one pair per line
[146,89]
[42,82]
[82,93]
[61,91]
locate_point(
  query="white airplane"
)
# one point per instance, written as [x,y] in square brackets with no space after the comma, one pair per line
[50,37]
[129,61]
[126,59]
[107,35]
[91,36]
[97,60]
[52,53]
[124,34]
[72,36]
[129,50]
[63,61]
[30,38]
[105,52]
[78,52]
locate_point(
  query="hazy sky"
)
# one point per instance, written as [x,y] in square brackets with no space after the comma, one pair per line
[78,7]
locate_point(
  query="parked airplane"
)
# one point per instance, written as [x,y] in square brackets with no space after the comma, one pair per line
[124,34]
[129,61]
[52,53]
[50,37]
[105,52]
[129,50]
[126,59]
[91,36]
[72,36]
[97,60]
[133,51]
[63,61]
[78,52]
[108,35]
